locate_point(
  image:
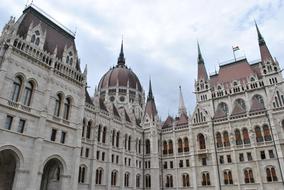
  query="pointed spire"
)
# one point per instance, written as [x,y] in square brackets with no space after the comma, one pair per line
[150,108]
[181,108]
[200,58]
[264,51]
[121,59]
[85,70]
[202,73]
[150,93]
[260,38]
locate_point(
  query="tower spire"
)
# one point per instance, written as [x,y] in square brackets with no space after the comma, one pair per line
[181,108]
[202,73]
[121,59]
[264,51]
[150,93]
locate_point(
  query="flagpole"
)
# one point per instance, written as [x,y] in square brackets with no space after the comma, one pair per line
[234,53]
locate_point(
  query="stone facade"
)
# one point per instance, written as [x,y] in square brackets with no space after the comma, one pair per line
[54,135]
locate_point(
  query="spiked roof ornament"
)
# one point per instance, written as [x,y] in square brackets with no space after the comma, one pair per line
[121,59]
[260,38]
[200,59]
[181,109]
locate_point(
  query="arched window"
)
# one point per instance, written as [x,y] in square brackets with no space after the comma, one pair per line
[99,133]
[223,107]
[148,181]
[17,85]
[36,38]
[113,138]
[125,141]
[69,58]
[226,139]
[266,132]
[271,174]
[238,137]
[136,145]
[180,148]
[201,141]
[58,102]
[205,179]
[248,176]
[117,139]
[28,94]
[246,136]
[259,100]
[148,146]
[171,147]
[129,143]
[139,146]
[169,181]
[186,144]
[258,134]
[88,135]
[83,128]
[241,103]
[104,135]
[66,111]
[126,179]
[37,41]
[185,180]
[165,147]
[82,174]
[138,180]
[219,140]
[228,179]
[113,178]
[99,176]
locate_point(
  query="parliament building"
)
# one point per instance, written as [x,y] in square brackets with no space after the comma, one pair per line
[54,135]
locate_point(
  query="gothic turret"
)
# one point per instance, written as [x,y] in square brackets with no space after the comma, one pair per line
[202,73]
[181,108]
[150,108]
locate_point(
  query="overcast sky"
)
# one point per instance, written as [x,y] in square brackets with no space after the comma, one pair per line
[160,37]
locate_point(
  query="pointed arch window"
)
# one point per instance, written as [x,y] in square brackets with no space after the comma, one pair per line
[139,146]
[228,179]
[185,180]
[83,127]
[104,135]
[113,137]
[117,139]
[126,179]
[186,144]
[258,134]
[113,178]
[99,133]
[137,180]
[266,132]
[82,174]
[148,148]
[28,93]
[129,143]
[169,181]
[35,39]
[171,147]
[238,137]
[69,58]
[219,140]
[271,174]
[17,85]
[99,176]
[125,141]
[205,179]
[248,176]
[58,102]
[67,106]
[246,136]
[226,139]
[89,129]
[201,140]
[148,181]
[165,147]
[180,149]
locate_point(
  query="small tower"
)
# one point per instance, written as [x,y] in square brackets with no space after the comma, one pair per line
[202,82]
[181,108]
[150,108]
[121,59]
[269,65]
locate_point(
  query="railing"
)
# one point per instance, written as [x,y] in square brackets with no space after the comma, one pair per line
[47,60]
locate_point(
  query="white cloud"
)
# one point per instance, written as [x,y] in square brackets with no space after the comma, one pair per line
[163,33]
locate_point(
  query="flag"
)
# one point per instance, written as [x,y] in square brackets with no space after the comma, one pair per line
[236,48]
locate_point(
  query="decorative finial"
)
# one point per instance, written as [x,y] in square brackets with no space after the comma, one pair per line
[200,58]
[150,94]
[260,38]
[121,59]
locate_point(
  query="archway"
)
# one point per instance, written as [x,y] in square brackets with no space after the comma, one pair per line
[51,176]
[8,164]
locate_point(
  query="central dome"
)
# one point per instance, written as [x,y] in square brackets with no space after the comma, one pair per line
[120,76]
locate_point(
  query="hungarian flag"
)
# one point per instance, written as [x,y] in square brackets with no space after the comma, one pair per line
[236,48]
